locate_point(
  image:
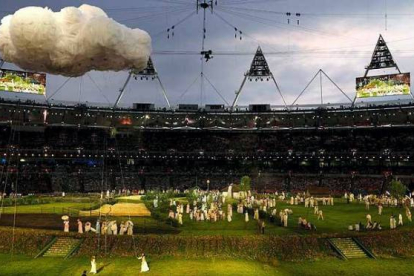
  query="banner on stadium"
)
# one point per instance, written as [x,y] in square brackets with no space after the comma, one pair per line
[384,85]
[22,82]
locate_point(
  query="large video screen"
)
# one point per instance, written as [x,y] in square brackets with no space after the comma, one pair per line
[22,82]
[381,86]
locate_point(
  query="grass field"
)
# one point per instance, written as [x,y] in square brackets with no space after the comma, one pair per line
[337,218]
[22,265]
[48,208]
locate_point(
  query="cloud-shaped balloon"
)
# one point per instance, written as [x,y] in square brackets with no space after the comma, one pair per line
[71,42]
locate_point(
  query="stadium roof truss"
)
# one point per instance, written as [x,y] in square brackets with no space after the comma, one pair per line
[148,73]
[321,73]
[259,69]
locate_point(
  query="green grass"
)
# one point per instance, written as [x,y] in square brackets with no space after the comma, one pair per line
[337,218]
[22,265]
[48,208]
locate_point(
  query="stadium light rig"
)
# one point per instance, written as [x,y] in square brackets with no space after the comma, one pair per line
[259,70]
[148,73]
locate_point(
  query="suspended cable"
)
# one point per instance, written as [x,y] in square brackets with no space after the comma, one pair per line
[99,89]
[6,165]
[229,3]
[188,88]
[177,2]
[124,187]
[15,206]
[80,89]
[262,20]
[348,15]
[60,87]
[154,15]
[243,33]
[139,9]
[215,89]
[172,28]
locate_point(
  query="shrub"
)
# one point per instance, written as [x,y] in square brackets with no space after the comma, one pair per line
[263,248]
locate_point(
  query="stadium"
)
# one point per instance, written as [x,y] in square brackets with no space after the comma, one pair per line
[341,148]
[198,188]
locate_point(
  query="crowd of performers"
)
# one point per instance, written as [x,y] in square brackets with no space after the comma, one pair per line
[107,227]
[380,202]
[213,206]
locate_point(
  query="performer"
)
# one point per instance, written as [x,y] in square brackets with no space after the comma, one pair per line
[66,225]
[256,214]
[400,220]
[98,226]
[285,219]
[88,227]
[262,227]
[93,265]
[104,228]
[369,220]
[315,210]
[144,265]
[367,203]
[122,228]
[246,216]
[114,228]
[80,227]
[392,219]
[320,215]
[130,228]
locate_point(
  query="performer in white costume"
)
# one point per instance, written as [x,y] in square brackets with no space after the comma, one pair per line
[144,265]
[93,265]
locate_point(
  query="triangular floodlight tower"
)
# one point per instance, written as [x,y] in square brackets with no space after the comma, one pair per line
[381,58]
[259,69]
[148,72]
[320,73]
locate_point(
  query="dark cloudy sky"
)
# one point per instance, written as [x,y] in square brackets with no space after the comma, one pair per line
[336,36]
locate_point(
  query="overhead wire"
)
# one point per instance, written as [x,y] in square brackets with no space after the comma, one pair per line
[347,15]
[99,89]
[6,165]
[59,88]
[175,25]
[244,2]
[282,25]
[155,14]
[176,2]
[215,89]
[188,88]
[259,42]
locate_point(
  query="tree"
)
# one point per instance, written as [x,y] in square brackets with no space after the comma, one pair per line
[397,189]
[245,183]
